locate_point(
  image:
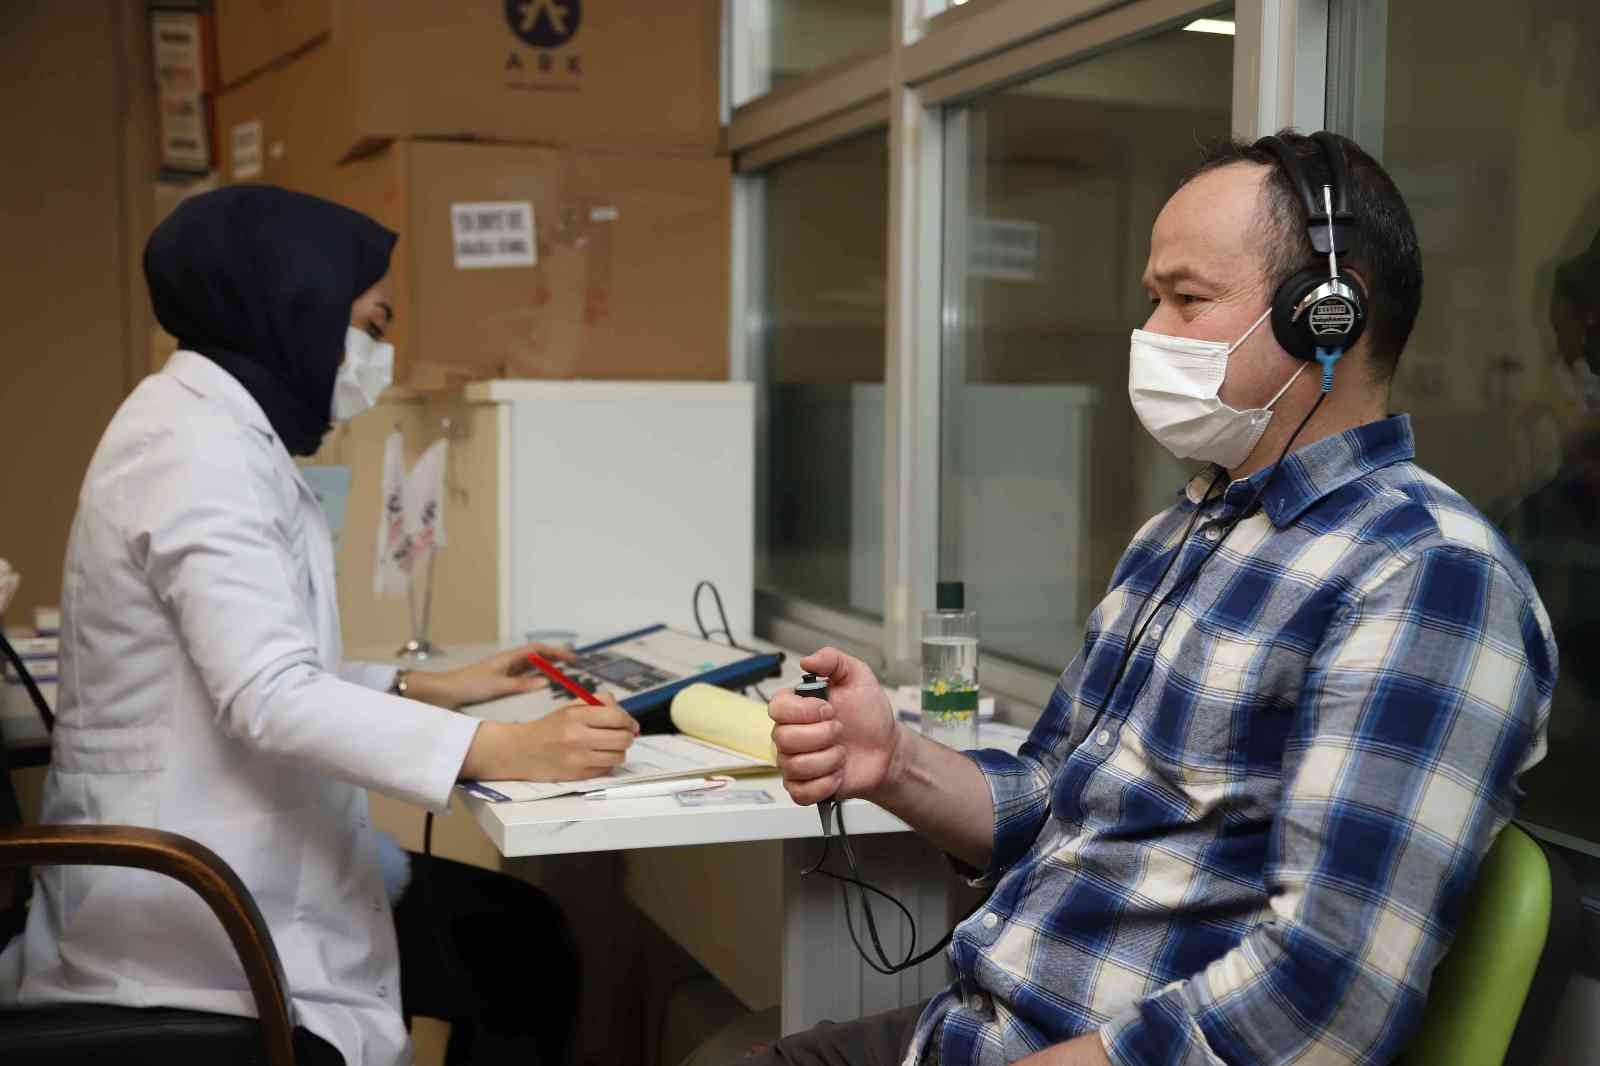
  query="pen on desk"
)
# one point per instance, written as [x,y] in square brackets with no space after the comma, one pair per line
[659,788]
[548,669]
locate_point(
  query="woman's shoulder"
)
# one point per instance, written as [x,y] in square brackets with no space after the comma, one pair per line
[169,441]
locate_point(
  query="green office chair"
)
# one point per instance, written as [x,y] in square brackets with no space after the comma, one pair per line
[1495,994]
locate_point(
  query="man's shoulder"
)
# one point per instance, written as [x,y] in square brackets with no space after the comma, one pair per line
[1410,514]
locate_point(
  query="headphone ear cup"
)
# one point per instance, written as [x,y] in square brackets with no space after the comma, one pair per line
[1361,308]
[1295,337]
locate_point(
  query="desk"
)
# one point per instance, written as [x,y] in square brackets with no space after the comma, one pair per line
[822,976]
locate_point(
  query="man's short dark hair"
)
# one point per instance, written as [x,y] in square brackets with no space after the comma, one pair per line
[1383,249]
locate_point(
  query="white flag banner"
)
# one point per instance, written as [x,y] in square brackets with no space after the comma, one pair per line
[392,575]
[424,502]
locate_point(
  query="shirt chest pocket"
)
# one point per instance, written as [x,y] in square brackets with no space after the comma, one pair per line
[1213,722]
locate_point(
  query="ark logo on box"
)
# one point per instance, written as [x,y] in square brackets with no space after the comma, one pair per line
[545,23]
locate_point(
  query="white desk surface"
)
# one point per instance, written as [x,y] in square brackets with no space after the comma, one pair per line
[575,824]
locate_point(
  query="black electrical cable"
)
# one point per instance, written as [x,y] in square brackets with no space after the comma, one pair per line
[28,683]
[883,964]
[1181,585]
[831,814]
[725,629]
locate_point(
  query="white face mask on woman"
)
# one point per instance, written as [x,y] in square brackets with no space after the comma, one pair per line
[1173,383]
[367,370]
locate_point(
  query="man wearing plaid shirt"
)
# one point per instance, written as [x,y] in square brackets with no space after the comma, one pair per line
[1249,840]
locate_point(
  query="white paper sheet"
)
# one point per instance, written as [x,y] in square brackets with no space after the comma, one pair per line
[653,758]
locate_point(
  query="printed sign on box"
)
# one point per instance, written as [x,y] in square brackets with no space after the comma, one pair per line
[489,235]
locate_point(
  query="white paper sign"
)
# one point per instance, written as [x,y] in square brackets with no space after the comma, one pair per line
[1007,249]
[492,235]
[246,150]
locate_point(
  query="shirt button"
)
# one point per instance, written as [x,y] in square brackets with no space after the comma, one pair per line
[1103,738]
[976,1002]
[1212,532]
[1156,631]
[991,920]
[383,991]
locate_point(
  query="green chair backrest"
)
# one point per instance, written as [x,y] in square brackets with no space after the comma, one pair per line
[1479,988]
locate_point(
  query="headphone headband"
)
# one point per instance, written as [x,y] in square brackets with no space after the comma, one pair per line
[1326,235]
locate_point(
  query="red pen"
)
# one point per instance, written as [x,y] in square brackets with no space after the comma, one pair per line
[548,669]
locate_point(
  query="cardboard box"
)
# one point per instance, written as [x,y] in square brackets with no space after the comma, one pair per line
[276,127]
[625,75]
[252,34]
[538,262]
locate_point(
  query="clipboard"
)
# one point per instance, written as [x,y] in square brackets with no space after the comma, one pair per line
[643,670]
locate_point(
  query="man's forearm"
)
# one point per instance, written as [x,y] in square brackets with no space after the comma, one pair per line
[942,795]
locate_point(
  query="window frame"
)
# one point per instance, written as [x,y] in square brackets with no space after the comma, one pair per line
[1281,78]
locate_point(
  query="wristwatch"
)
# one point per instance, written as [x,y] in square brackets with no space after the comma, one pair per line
[400,685]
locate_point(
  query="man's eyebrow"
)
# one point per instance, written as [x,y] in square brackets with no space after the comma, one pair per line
[1174,275]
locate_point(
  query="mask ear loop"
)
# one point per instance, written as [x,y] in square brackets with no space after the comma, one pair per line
[1279,394]
[1253,327]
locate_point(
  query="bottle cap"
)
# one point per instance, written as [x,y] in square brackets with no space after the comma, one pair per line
[951,596]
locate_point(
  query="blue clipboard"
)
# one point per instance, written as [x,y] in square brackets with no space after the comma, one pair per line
[757,666]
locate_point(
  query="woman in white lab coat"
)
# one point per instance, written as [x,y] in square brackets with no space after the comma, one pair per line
[202,689]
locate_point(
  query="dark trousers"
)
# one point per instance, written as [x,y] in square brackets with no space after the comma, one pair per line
[877,1040]
[494,957]
[311,1050]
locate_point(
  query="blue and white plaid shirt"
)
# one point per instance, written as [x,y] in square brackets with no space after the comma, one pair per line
[1257,848]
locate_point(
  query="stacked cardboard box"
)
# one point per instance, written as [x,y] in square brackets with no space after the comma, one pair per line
[552,169]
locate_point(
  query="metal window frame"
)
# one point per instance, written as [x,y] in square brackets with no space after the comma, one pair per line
[1281,78]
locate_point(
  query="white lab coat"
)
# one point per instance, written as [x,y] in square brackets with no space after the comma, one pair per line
[201,693]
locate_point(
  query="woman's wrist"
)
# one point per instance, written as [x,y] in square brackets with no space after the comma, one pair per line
[485,754]
[433,687]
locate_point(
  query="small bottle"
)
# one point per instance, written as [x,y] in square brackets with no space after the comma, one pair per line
[950,669]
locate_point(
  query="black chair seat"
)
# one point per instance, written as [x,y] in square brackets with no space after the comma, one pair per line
[158,1036]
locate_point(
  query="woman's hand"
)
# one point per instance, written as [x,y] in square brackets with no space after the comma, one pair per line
[572,743]
[504,674]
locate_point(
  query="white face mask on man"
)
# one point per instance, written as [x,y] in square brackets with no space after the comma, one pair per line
[367,370]
[1173,383]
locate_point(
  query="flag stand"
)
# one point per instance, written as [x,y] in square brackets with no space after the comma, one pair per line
[419,647]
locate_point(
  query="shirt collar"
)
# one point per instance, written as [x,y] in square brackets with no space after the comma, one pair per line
[205,378]
[1318,469]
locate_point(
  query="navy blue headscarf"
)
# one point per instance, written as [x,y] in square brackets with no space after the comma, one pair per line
[260,280]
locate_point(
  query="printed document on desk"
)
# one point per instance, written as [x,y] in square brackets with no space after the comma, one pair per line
[719,732]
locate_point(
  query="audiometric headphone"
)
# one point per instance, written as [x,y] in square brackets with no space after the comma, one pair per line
[1320,312]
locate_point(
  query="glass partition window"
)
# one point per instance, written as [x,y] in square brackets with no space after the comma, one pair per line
[822,336]
[1491,128]
[1051,188]
[777,41]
